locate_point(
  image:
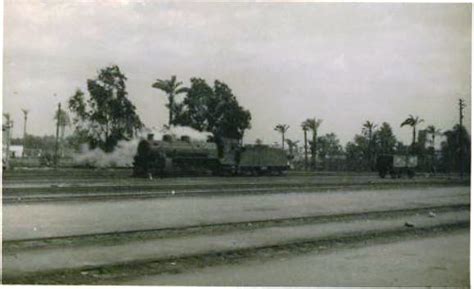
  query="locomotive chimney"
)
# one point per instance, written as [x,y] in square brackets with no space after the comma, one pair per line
[150,137]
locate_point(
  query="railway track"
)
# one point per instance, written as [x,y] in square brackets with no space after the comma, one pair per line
[119,173]
[104,192]
[114,257]
[126,236]
[69,231]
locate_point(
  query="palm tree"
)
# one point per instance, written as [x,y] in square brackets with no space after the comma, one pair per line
[25,115]
[292,145]
[282,128]
[433,131]
[413,122]
[304,126]
[368,128]
[63,120]
[172,88]
[313,125]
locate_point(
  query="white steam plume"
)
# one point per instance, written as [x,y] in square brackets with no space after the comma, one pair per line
[122,155]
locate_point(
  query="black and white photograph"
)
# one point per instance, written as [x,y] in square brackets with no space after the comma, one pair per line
[220,143]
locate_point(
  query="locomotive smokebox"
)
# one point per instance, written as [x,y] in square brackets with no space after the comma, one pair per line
[150,136]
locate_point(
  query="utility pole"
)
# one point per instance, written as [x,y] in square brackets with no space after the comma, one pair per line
[305,130]
[7,128]
[56,147]
[462,105]
[25,114]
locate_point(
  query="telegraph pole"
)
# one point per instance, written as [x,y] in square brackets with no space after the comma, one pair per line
[305,148]
[25,113]
[462,105]
[56,147]
[7,135]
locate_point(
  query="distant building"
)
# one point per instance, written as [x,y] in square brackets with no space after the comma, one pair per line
[16,151]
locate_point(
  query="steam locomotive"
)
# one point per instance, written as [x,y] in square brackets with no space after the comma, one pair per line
[172,155]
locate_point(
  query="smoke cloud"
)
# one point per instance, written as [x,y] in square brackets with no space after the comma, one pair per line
[122,155]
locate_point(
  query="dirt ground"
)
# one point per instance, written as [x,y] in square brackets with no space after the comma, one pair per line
[435,261]
[53,219]
[236,236]
[22,262]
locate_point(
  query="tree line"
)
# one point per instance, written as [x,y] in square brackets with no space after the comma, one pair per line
[374,140]
[212,109]
[105,115]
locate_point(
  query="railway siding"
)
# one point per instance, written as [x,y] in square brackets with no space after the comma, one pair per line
[125,237]
[110,230]
[24,265]
[61,219]
[97,192]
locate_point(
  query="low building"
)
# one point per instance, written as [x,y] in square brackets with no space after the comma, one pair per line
[16,151]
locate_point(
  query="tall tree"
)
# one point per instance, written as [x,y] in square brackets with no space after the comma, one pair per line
[424,153]
[292,146]
[172,88]
[213,109]
[356,154]
[413,122]
[107,116]
[328,146]
[199,107]
[304,126]
[385,140]
[433,131]
[451,158]
[367,129]
[313,125]
[282,129]
[62,117]
[422,139]
[25,116]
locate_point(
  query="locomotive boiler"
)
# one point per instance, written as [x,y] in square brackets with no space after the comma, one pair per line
[172,156]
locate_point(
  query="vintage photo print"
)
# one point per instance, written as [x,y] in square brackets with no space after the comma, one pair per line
[191,143]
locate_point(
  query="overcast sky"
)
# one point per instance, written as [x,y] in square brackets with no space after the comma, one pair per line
[343,63]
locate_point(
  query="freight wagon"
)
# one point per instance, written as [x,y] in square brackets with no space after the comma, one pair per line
[396,165]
